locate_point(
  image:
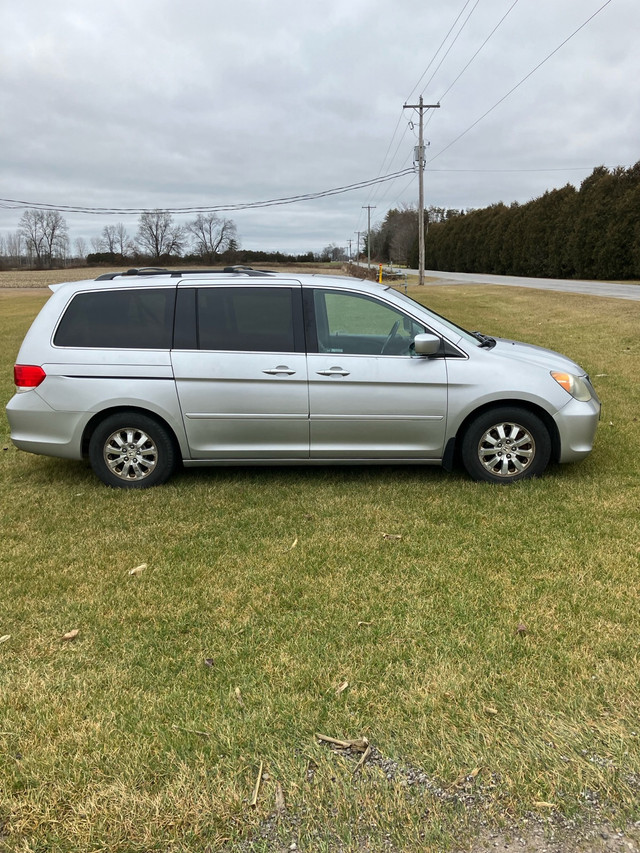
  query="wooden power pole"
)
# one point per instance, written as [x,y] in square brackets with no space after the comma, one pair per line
[368,208]
[421,107]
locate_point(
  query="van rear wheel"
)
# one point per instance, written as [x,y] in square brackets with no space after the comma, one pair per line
[129,450]
[506,444]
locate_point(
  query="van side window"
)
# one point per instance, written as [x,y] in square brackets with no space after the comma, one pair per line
[357,324]
[246,319]
[118,319]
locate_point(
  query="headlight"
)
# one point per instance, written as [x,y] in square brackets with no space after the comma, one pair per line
[574,385]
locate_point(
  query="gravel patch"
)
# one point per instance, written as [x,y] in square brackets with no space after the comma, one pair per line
[588,832]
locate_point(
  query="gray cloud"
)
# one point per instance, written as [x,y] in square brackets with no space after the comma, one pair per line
[155,103]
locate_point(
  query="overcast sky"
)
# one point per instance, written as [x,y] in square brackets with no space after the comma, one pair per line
[167,104]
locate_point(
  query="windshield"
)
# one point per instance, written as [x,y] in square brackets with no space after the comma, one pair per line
[453,327]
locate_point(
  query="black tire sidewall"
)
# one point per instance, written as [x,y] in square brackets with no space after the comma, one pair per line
[133,420]
[511,414]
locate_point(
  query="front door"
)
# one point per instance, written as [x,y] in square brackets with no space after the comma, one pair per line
[369,396]
[242,380]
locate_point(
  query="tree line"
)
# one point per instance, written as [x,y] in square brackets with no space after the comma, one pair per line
[592,232]
[42,241]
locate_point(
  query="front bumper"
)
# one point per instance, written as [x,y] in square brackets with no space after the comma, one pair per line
[577,424]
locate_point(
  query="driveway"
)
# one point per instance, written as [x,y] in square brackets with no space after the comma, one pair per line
[613,290]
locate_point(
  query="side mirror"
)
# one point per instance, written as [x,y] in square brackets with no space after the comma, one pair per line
[427,344]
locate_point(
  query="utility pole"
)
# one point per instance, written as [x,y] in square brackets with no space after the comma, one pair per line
[421,107]
[349,242]
[368,208]
[358,246]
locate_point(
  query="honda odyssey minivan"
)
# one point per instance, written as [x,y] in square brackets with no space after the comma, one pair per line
[142,371]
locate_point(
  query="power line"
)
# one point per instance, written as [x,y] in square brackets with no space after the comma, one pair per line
[491,34]
[458,34]
[442,43]
[483,171]
[517,86]
[16,204]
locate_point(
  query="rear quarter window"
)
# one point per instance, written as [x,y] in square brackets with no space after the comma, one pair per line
[118,319]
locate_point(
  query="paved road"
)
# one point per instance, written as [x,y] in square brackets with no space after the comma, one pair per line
[592,288]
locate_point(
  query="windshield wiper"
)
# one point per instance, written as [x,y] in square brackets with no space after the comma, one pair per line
[485,340]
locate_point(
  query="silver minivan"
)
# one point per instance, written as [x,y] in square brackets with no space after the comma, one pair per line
[140,371]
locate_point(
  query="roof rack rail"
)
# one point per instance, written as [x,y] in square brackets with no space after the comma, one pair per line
[109,276]
[143,271]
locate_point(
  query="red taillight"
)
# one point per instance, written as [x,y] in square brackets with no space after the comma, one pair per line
[28,375]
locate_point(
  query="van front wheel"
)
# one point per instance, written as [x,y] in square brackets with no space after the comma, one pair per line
[504,445]
[128,450]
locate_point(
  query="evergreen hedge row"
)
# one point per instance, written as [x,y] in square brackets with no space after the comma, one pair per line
[592,232]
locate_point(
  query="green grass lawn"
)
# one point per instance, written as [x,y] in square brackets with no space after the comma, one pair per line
[266,590]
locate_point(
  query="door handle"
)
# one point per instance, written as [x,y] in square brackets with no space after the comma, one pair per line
[280,369]
[333,371]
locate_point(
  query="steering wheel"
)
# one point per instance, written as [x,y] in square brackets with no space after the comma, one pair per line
[390,336]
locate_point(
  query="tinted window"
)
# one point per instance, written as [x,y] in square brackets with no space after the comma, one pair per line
[250,319]
[120,319]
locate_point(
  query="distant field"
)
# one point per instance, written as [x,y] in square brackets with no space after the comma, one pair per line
[484,640]
[43,278]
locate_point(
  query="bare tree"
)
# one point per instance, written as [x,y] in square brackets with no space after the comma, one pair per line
[62,248]
[124,244]
[109,238]
[97,244]
[81,248]
[333,253]
[212,235]
[32,230]
[15,247]
[115,240]
[158,235]
[393,239]
[45,234]
[56,235]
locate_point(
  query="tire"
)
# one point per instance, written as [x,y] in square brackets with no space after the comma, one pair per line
[129,450]
[506,444]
